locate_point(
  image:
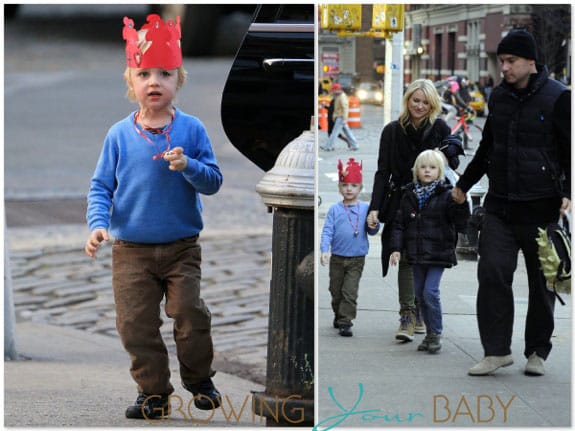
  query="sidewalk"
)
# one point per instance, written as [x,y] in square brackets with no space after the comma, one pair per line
[370,380]
[70,377]
[73,370]
[398,380]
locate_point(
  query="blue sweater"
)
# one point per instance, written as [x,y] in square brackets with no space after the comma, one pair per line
[140,199]
[338,231]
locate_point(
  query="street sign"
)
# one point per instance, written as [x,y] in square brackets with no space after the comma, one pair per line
[330,63]
[387,17]
[336,17]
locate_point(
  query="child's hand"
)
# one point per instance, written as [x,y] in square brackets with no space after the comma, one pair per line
[372,218]
[324,258]
[395,257]
[458,196]
[177,158]
[371,224]
[94,241]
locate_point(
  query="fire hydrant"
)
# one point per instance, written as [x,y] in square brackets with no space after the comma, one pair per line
[288,190]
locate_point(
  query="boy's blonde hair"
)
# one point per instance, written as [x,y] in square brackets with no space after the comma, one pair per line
[430,156]
[130,93]
[430,93]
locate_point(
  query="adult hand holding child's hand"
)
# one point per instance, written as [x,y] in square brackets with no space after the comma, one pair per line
[458,195]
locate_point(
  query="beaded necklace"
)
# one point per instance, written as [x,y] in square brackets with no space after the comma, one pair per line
[356,226]
[165,131]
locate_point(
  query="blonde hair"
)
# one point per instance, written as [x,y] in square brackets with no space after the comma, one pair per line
[430,93]
[430,156]
[130,93]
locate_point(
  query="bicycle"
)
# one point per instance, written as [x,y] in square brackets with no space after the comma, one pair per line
[464,120]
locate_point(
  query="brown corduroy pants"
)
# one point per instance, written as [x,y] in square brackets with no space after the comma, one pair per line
[142,275]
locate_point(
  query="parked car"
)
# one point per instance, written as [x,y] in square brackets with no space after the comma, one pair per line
[477,100]
[369,92]
[209,29]
[324,100]
[325,85]
[268,98]
[347,81]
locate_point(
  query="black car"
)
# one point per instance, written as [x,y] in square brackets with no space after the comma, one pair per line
[268,99]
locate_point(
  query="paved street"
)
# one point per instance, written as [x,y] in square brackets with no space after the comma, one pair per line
[370,380]
[62,286]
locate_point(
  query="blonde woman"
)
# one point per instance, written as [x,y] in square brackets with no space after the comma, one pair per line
[417,129]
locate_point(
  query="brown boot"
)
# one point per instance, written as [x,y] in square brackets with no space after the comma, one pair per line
[406,326]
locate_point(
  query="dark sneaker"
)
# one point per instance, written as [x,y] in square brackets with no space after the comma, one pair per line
[345,331]
[206,396]
[434,343]
[335,324]
[424,346]
[149,407]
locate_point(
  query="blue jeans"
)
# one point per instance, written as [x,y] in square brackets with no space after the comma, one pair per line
[426,280]
[339,127]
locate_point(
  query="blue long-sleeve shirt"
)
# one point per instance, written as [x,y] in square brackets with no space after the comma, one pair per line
[140,199]
[338,234]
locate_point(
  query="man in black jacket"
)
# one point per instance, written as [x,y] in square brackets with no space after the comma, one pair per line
[525,152]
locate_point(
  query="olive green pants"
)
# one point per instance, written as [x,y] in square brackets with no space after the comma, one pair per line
[344,276]
[405,286]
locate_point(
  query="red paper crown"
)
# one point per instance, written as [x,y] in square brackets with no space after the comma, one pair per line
[351,172]
[157,44]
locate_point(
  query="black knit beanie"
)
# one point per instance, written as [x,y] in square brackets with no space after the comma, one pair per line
[520,43]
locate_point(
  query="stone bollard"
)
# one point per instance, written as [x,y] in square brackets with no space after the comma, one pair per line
[288,190]
[469,241]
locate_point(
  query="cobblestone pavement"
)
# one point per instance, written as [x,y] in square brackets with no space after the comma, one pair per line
[62,286]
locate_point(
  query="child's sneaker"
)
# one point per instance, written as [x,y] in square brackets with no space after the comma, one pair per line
[406,327]
[434,343]
[345,331]
[424,345]
[149,407]
[209,398]
[335,324]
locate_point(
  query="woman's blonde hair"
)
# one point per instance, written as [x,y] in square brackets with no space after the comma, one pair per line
[130,93]
[435,157]
[430,93]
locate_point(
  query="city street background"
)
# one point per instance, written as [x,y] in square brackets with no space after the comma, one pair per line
[382,382]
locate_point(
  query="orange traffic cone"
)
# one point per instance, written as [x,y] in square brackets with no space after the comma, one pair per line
[354,119]
[323,118]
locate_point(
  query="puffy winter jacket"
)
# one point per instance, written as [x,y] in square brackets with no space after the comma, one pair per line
[524,161]
[397,153]
[428,236]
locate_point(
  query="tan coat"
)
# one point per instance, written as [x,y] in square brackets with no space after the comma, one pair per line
[341,107]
